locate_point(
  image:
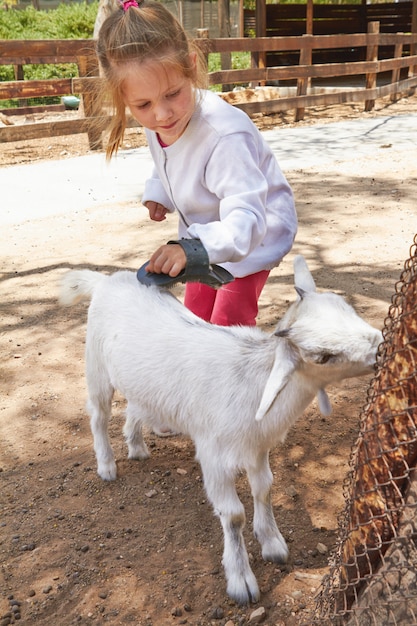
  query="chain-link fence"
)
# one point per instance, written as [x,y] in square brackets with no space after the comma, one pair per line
[373,574]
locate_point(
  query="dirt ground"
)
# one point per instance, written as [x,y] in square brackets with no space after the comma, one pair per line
[146,549]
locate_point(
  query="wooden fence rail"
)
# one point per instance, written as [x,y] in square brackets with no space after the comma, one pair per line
[399,73]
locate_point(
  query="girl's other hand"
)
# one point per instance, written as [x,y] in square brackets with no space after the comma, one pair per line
[157,212]
[168,259]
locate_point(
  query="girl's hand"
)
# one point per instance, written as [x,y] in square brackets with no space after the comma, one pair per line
[168,259]
[157,212]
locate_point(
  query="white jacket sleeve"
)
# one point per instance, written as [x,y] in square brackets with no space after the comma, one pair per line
[233,173]
[154,190]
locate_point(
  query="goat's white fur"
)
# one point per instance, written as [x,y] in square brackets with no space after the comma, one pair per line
[210,382]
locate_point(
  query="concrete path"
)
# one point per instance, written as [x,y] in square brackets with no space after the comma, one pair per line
[56,187]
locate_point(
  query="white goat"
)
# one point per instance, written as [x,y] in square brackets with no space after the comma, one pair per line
[210,382]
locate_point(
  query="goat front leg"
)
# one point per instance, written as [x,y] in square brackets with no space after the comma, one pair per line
[242,585]
[266,531]
[220,487]
[137,448]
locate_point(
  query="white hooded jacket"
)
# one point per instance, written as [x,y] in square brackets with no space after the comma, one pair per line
[224,181]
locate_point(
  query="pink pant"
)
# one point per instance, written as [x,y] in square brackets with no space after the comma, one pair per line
[235,303]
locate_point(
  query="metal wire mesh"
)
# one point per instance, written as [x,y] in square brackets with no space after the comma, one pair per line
[373,572]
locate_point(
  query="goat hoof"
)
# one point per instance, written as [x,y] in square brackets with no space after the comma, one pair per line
[107,471]
[139,453]
[275,551]
[276,558]
[244,594]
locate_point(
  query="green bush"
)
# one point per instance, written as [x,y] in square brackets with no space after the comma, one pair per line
[239,61]
[67,21]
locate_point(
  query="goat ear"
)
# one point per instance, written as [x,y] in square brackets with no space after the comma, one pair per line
[277,379]
[324,402]
[282,333]
[301,292]
[302,276]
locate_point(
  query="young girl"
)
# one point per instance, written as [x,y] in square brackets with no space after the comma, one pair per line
[211,164]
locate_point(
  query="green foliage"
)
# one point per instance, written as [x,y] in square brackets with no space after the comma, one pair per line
[240,60]
[67,21]
[6,72]
[76,21]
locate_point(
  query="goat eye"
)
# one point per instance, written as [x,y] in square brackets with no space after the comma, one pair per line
[324,358]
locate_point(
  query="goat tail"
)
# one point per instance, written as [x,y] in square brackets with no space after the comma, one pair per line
[77,285]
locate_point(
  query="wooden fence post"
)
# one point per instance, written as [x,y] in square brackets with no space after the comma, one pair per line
[413,48]
[258,59]
[306,58]
[20,75]
[371,55]
[202,33]
[395,76]
[88,66]
[309,18]
[223,9]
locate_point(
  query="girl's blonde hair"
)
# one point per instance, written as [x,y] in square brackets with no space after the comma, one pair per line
[149,32]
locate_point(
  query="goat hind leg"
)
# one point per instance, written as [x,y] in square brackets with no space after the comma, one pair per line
[220,487]
[99,408]
[274,547]
[137,448]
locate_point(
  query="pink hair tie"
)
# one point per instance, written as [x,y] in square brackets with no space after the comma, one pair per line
[129,3]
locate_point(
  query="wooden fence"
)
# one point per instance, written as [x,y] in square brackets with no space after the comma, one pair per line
[283,20]
[399,74]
